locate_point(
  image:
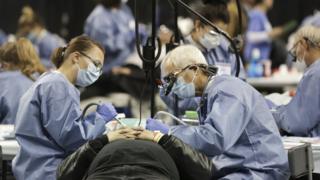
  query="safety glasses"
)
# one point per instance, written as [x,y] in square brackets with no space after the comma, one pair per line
[168,81]
[94,61]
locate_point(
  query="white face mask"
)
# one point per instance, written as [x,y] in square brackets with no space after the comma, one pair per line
[301,63]
[87,76]
[210,40]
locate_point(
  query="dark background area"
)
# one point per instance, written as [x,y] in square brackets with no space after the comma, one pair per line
[66,17]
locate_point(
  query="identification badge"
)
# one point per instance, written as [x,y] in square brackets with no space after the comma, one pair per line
[224,68]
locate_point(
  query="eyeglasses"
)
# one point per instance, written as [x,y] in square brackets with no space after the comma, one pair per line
[292,51]
[171,78]
[94,61]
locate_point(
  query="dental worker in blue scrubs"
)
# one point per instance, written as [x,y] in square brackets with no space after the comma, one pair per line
[19,68]
[301,116]
[49,124]
[236,129]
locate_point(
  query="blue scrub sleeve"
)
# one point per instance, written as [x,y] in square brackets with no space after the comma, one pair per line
[61,117]
[221,129]
[302,113]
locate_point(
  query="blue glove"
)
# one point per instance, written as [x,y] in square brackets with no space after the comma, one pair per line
[156,125]
[107,111]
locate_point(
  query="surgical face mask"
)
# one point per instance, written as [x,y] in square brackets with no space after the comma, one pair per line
[183,89]
[210,40]
[87,76]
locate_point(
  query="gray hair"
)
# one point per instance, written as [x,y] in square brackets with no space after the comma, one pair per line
[312,33]
[181,57]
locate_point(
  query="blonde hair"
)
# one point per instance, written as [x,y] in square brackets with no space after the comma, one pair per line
[21,54]
[312,33]
[181,57]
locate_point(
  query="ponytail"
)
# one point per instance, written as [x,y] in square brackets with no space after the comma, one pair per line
[78,44]
[57,56]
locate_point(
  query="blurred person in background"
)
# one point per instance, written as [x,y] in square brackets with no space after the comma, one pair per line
[20,66]
[31,27]
[301,116]
[111,23]
[215,47]
[260,33]
[233,28]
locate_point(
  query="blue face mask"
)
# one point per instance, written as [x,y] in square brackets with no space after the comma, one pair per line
[184,90]
[87,76]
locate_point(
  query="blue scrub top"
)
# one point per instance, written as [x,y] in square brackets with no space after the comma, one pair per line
[238,132]
[258,22]
[49,127]
[301,116]
[114,29]
[222,57]
[45,44]
[3,37]
[13,85]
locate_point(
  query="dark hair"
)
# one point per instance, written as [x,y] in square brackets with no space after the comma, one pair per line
[218,12]
[78,44]
[28,20]
[22,55]
[216,2]
[110,3]
[256,2]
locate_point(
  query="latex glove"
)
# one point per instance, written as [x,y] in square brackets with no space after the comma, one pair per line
[107,111]
[156,125]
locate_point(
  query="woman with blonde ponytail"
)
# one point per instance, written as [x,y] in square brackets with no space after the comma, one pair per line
[19,67]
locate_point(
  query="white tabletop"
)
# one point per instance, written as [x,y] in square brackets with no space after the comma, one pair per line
[290,80]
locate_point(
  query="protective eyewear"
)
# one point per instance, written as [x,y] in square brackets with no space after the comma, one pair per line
[94,61]
[169,80]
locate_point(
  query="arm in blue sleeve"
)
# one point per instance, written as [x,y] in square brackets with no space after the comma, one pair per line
[62,118]
[221,129]
[302,113]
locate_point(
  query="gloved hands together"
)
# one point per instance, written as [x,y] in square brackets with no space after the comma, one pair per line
[107,111]
[123,133]
[156,125]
